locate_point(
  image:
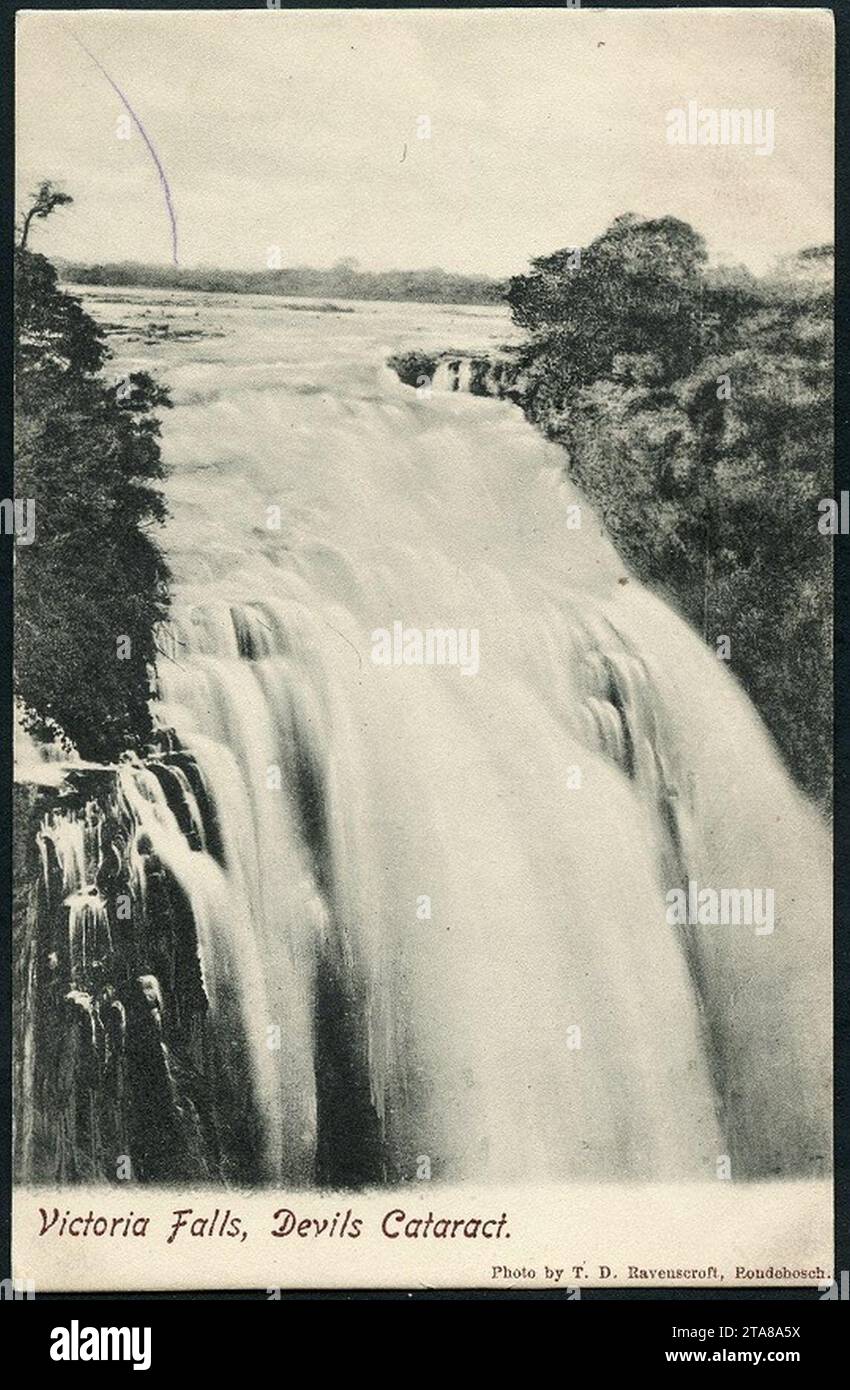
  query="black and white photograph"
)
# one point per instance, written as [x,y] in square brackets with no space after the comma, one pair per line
[423,533]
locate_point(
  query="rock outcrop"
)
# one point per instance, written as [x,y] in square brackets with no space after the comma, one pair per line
[500,374]
[119,1073]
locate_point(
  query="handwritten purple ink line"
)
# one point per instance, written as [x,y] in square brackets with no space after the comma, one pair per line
[153,154]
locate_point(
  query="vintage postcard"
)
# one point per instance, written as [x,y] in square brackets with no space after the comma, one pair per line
[424,521]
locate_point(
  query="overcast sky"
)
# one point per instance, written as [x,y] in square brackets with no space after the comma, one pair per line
[302,130]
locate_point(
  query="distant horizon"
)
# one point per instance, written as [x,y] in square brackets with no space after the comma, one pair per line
[199,267]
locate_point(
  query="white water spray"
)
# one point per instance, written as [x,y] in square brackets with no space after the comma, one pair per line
[542,1020]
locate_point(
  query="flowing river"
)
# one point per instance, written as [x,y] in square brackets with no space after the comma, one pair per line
[431,902]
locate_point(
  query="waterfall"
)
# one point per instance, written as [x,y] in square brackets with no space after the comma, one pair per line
[347,791]
[453,374]
[446,376]
[429,906]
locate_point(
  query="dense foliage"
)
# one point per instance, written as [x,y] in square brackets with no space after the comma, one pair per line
[93,585]
[696,409]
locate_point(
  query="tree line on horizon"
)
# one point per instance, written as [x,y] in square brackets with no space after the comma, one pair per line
[345,280]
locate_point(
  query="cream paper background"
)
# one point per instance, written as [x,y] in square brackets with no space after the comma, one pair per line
[689,1227]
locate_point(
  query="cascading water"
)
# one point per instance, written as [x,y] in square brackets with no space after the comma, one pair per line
[430,904]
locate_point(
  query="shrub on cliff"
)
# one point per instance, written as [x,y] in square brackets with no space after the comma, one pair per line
[93,585]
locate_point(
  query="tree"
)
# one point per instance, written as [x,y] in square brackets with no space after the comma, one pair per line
[636,289]
[45,201]
[93,586]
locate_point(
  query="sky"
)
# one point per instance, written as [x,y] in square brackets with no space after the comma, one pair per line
[472,140]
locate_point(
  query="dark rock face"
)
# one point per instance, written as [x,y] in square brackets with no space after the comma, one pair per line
[496,374]
[119,1073]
